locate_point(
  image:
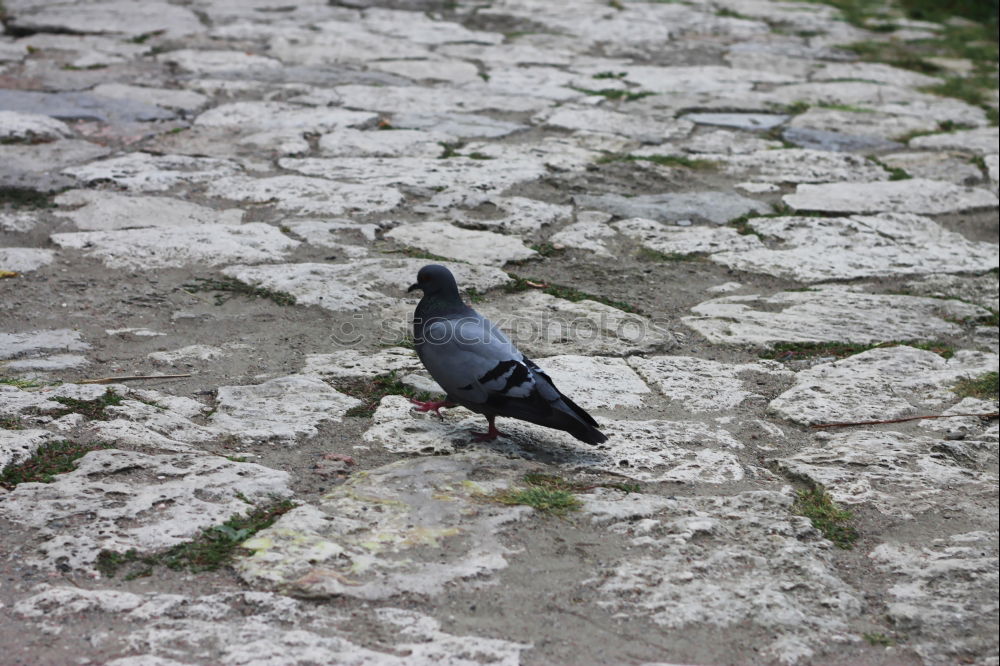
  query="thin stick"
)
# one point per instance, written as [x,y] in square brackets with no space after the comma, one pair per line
[991,415]
[108,380]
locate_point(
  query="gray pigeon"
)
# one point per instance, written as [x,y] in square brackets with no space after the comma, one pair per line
[480,369]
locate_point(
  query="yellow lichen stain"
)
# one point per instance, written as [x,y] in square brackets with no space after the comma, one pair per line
[258,544]
[428,536]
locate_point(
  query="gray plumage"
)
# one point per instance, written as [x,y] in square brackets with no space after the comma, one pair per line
[480,369]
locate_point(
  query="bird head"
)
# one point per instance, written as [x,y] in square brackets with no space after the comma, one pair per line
[433,279]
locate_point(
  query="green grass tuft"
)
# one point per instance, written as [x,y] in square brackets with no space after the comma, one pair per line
[215,547]
[984,387]
[878,640]
[227,288]
[551,494]
[25,197]
[826,516]
[92,409]
[21,383]
[50,459]
[371,391]
[614,94]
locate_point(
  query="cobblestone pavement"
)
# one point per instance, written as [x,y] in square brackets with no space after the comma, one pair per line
[714,225]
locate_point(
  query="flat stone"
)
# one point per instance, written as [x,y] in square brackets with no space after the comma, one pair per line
[474,247]
[615,122]
[143,172]
[24,259]
[16,446]
[108,210]
[982,290]
[169,98]
[730,561]
[517,215]
[813,249]
[355,364]
[412,526]
[17,345]
[875,72]
[309,196]
[940,589]
[700,79]
[993,170]
[900,475]
[742,121]
[452,71]
[361,284]
[111,16]
[681,241]
[543,325]
[48,363]
[341,42]
[327,232]
[74,105]
[885,383]
[419,99]
[31,127]
[814,139]
[462,125]
[190,352]
[948,167]
[916,195]
[217,62]
[716,142]
[88,51]
[347,142]
[281,116]
[980,141]
[588,236]
[649,451]
[36,166]
[827,315]
[717,207]
[120,500]
[18,222]
[800,165]
[863,123]
[279,410]
[244,627]
[701,385]
[426,174]
[596,382]
[159,247]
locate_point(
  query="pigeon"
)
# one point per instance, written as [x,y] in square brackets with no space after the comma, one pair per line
[480,369]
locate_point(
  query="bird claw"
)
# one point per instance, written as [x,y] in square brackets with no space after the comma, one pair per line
[431,406]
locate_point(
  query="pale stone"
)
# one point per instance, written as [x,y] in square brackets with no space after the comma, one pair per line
[310,196]
[651,451]
[543,325]
[281,410]
[89,51]
[282,116]
[943,589]
[827,315]
[159,247]
[474,247]
[190,352]
[114,16]
[982,290]
[217,62]
[518,215]
[462,125]
[953,168]
[981,141]
[394,529]
[360,284]
[119,500]
[589,236]
[864,122]
[338,43]
[701,79]
[24,259]
[875,72]
[729,561]
[923,197]
[16,446]
[596,382]
[717,207]
[171,98]
[885,383]
[676,241]
[898,474]
[718,142]
[15,345]
[347,142]
[615,122]
[48,363]
[144,172]
[452,71]
[354,364]
[758,188]
[743,121]
[418,99]
[813,249]
[802,165]
[18,222]
[30,127]
[107,210]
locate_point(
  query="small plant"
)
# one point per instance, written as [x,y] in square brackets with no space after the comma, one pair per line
[21,383]
[834,522]
[610,75]
[983,387]
[614,93]
[371,391]
[450,149]
[895,173]
[25,197]
[227,288]
[878,640]
[92,409]
[213,548]
[552,494]
[547,249]
[11,423]
[50,459]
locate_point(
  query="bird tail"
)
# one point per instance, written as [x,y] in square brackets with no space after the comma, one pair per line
[581,424]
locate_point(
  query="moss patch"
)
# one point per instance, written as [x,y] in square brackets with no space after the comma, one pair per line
[551,494]
[92,409]
[834,522]
[24,197]
[215,547]
[226,288]
[371,391]
[615,94]
[983,387]
[50,459]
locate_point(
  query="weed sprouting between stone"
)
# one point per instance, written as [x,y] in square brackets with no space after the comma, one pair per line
[371,391]
[50,459]
[984,387]
[834,522]
[551,494]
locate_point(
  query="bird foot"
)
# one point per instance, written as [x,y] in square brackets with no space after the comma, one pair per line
[487,436]
[431,406]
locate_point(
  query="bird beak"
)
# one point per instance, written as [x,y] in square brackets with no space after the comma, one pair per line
[414,286]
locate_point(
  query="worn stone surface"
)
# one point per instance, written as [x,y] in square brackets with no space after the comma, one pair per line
[104,211]
[917,195]
[680,241]
[475,247]
[717,207]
